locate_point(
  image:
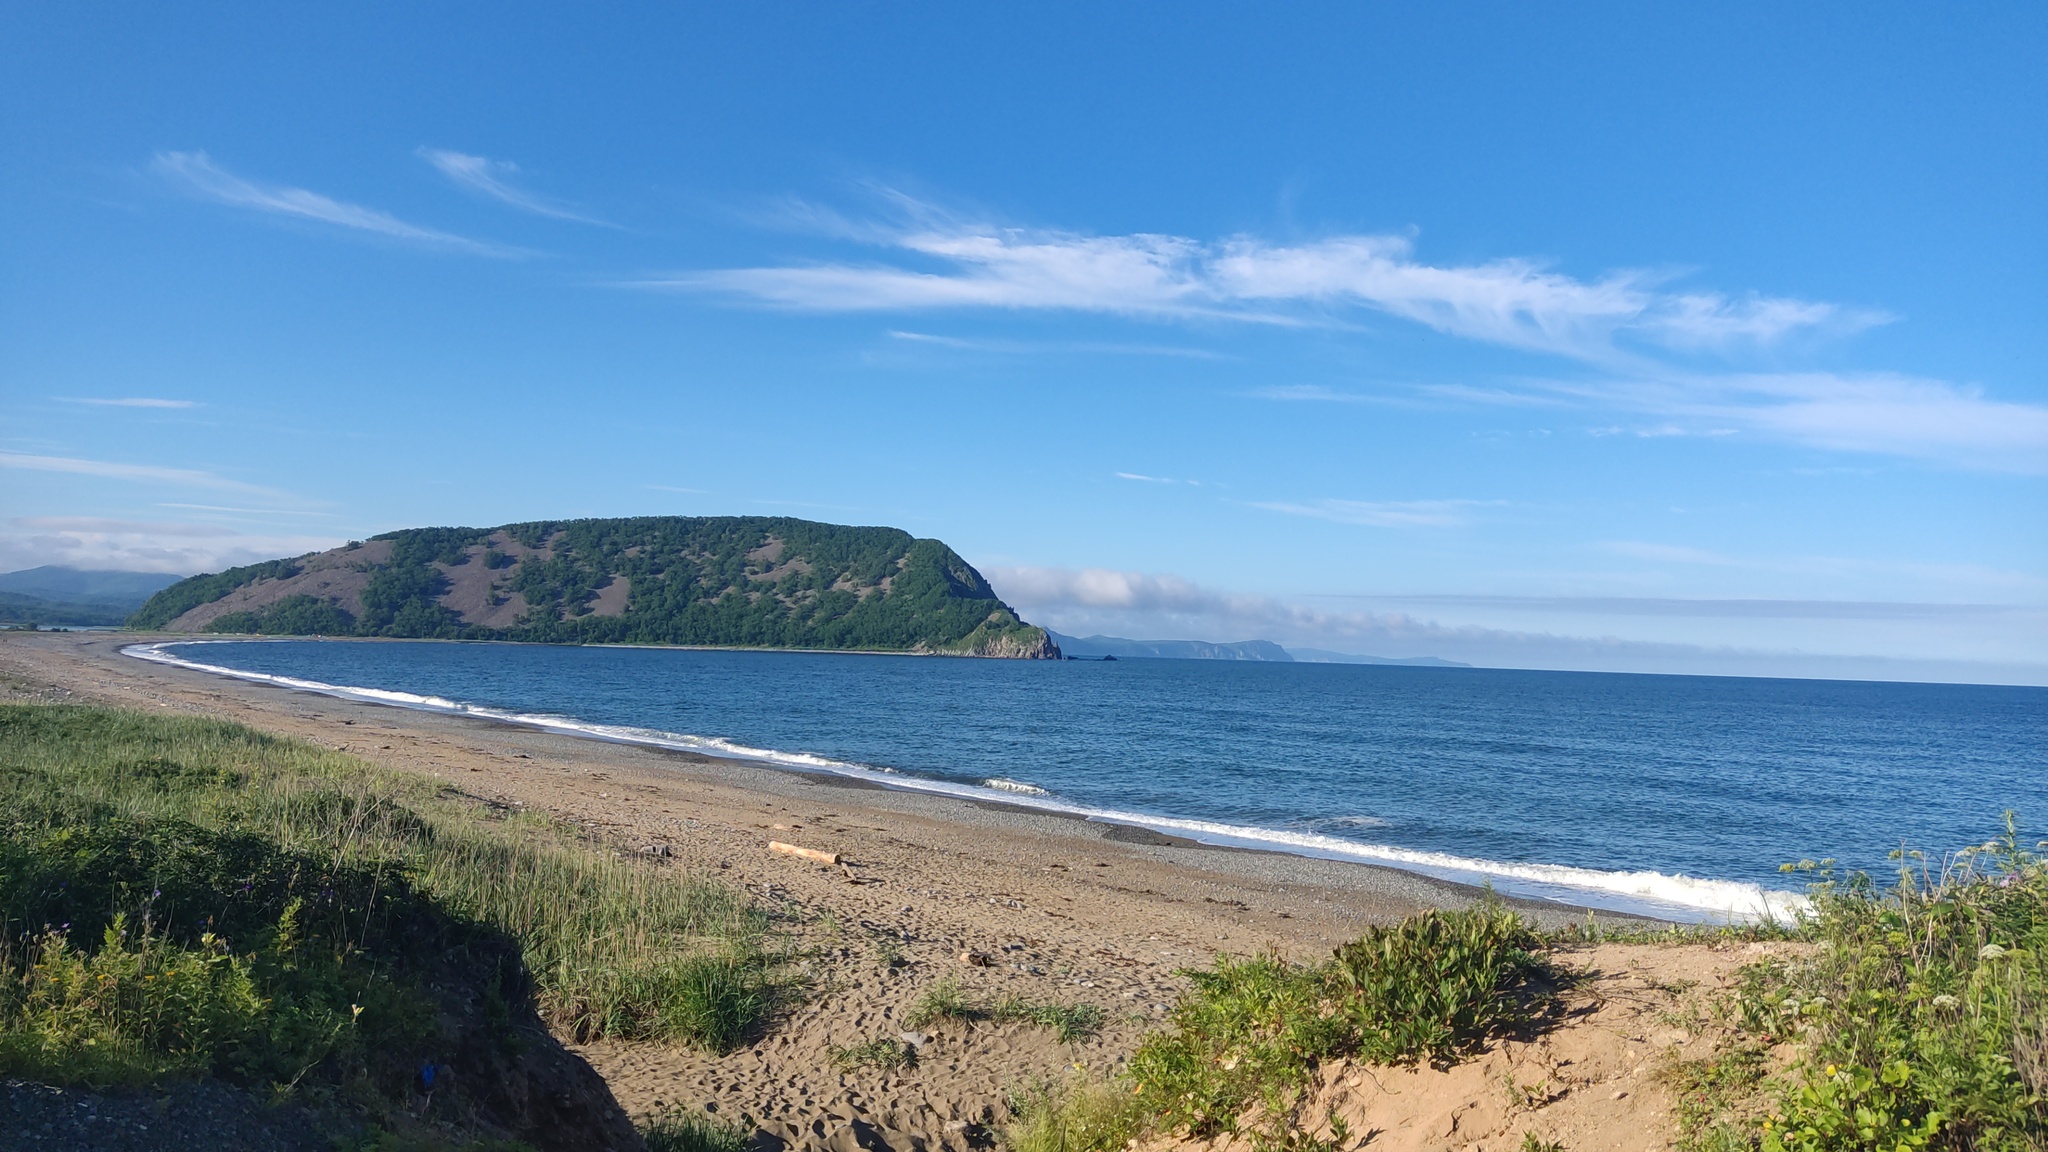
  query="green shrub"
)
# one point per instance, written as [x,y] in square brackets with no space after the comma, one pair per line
[1436,984]
[1923,1015]
[136,1010]
[1253,1030]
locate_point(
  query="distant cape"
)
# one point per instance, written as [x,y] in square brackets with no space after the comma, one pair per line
[1097,647]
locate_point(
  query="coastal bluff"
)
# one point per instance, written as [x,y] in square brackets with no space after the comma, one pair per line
[712,581]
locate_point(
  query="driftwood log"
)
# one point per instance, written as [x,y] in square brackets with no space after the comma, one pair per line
[806,853]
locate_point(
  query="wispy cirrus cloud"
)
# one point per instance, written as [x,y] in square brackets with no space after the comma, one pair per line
[1870,412]
[114,470]
[1380,513]
[1639,332]
[197,173]
[948,262]
[1753,609]
[492,178]
[1025,347]
[129,402]
[1874,412]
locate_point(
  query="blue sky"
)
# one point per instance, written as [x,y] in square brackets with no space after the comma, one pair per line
[1608,338]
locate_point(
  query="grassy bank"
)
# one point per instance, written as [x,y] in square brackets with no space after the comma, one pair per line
[1918,1020]
[184,897]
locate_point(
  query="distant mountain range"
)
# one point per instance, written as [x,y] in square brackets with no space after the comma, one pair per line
[714,581]
[1097,647]
[58,597]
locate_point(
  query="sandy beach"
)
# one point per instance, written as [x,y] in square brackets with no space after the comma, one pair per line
[1061,909]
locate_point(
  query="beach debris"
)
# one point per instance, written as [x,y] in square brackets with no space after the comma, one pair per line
[975,959]
[656,850]
[818,855]
[914,1040]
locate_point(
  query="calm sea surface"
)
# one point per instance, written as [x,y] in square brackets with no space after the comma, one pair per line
[1672,793]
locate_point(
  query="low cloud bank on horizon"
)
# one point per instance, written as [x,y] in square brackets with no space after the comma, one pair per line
[185,549]
[1152,606]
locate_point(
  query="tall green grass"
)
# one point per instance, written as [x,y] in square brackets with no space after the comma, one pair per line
[181,895]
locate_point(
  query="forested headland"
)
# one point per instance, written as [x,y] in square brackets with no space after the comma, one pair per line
[725,581]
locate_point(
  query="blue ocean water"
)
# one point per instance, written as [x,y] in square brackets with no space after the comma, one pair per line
[1671,793]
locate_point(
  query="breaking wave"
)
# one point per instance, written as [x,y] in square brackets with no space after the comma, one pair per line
[1001,784]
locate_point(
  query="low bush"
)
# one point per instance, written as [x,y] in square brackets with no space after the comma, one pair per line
[1252,1031]
[1922,1018]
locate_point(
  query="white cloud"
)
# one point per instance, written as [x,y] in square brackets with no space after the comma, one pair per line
[1040,347]
[1151,606]
[488,177]
[1380,513]
[1874,412]
[1629,325]
[129,402]
[141,546]
[145,473]
[1514,302]
[199,174]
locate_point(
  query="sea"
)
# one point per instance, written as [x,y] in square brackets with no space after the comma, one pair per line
[1672,796]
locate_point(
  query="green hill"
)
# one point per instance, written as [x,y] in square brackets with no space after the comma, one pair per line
[727,581]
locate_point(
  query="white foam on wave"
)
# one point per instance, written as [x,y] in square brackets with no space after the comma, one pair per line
[1004,784]
[617,733]
[1655,893]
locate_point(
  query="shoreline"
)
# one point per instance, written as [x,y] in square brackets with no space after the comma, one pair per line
[997,900]
[1626,893]
[91,666]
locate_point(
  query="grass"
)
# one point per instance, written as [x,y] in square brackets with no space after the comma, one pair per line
[1073,1118]
[945,1001]
[942,1001]
[1069,1023]
[880,1053]
[182,897]
[684,1131]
